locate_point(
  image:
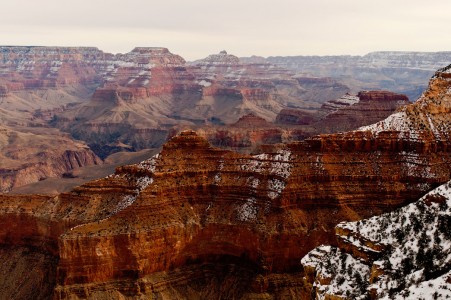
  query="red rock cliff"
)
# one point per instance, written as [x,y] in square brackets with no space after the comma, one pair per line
[204,204]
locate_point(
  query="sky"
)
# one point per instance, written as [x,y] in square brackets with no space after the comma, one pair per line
[197,28]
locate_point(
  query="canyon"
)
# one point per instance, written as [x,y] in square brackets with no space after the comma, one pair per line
[196,221]
[129,102]
[143,100]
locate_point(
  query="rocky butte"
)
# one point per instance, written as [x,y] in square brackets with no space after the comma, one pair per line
[347,112]
[196,221]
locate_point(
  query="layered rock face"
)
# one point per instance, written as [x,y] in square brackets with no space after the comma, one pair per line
[249,133]
[204,204]
[291,116]
[195,220]
[219,204]
[144,72]
[403,254]
[259,88]
[346,113]
[47,67]
[429,115]
[371,107]
[159,227]
[43,79]
[262,210]
[133,105]
[35,83]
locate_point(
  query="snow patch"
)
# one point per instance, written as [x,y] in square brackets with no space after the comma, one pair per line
[217,178]
[277,165]
[345,275]
[150,164]
[248,211]
[395,122]
[275,187]
[419,240]
[205,83]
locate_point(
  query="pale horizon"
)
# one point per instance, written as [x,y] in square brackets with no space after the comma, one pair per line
[199,28]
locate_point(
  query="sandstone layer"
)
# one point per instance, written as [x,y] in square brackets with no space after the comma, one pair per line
[194,207]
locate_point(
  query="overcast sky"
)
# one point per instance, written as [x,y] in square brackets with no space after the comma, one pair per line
[196,28]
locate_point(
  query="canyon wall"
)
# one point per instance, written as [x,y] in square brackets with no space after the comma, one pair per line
[381,70]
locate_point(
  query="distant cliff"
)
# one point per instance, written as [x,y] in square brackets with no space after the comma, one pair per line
[397,71]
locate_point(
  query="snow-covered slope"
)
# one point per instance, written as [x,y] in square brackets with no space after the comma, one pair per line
[405,254]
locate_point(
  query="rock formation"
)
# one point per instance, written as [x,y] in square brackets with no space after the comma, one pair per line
[150,90]
[345,113]
[259,88]
[403,254]
[47,67]
[249,132]
[193,206]
[290,116]
[370,107]
[134,105]
[399,255]
[282,197]
[28,157]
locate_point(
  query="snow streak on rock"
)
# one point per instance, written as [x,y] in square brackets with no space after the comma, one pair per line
[277,166]
[149,164]
[248,211]
[395,122]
